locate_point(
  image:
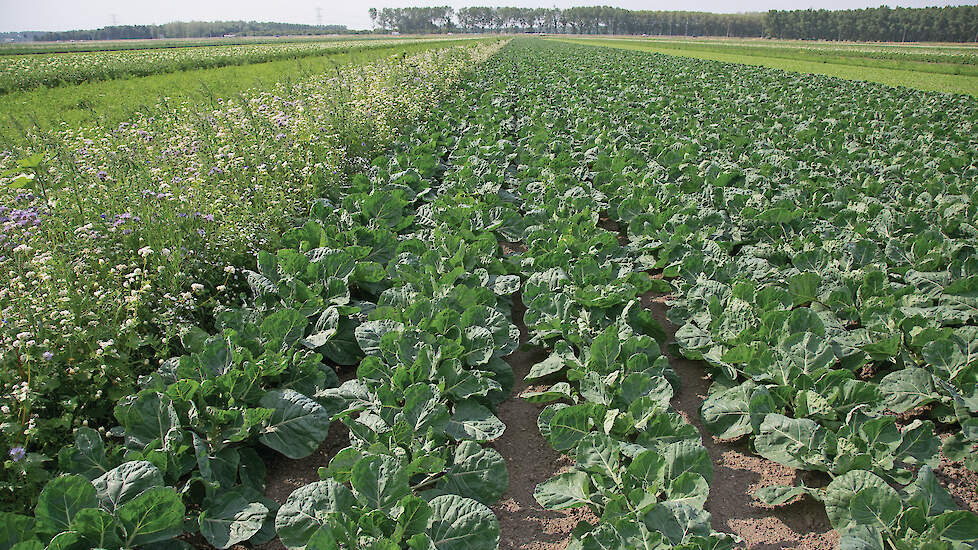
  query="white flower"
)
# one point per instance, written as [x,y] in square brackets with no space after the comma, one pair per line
[145,251]
[196,287]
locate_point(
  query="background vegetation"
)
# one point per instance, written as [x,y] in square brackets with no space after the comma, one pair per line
[947,24]
[193,29]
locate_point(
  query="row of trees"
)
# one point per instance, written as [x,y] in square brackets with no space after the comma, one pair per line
[579,20]
[948,24]
[194,29]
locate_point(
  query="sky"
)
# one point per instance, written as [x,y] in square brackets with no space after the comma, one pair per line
[58,15]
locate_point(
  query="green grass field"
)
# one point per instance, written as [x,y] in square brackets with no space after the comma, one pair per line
[921,75]
[108,103]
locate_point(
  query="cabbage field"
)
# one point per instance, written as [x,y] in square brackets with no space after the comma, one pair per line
[507,294]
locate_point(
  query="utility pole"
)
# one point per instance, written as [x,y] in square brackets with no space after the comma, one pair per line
[114,18]
[319,16]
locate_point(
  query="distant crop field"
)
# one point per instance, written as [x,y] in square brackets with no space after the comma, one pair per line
[19,73]
[941,68]
[109,102]
[158,43]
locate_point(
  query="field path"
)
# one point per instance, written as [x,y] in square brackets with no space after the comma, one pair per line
[523,523]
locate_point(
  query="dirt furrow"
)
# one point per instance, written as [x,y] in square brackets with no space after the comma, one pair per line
[523,523]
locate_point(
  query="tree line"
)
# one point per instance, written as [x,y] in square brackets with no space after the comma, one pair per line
[578,20]
[944,24]
[193,29]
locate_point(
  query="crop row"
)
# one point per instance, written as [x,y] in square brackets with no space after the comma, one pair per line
[639,467]
[19,73]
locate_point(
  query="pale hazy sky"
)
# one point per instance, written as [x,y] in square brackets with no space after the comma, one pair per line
[56,15]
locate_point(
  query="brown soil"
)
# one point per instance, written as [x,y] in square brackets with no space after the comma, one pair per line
[961,482]
[523,523]
[738,472]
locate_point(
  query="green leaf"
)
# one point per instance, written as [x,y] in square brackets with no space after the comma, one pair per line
[98,527]
[61,499]
[412,514]
[123,483]
[907,389]
[649,468]
[155,515]
[282,329]
[554,363]
[797,443]
[604,350]
[473,421]
[324,329]
[690,488]
[678,521]
[839,495]
[307,509]
[369,334]
[687,456]
[877,507]
[462,524]
[297,427]
[230,519]
[808,352]
[86,456]
[15,528]
[599,453]
[67,540]
[568,426]
[477,472]
[928,494]
[777,495]
[957,526]
[568,490]
[146,417]
[803,288]
[379,481]
[727,413]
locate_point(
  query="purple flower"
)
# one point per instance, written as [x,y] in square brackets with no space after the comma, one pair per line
[17,453]
[47,355]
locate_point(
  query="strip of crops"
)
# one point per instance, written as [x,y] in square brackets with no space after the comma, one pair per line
[115,238]
[830,52]
[31,48]
[823,268]
[19,73]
